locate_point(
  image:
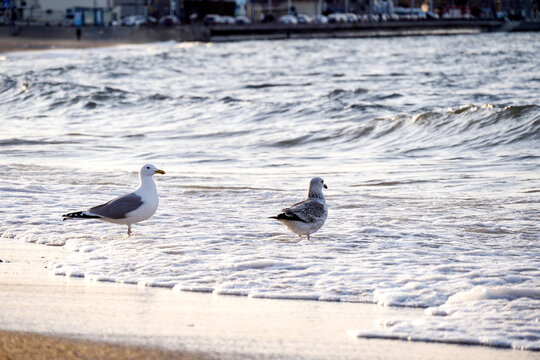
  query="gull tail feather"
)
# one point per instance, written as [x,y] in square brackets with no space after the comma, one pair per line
[79,215]
[287,216]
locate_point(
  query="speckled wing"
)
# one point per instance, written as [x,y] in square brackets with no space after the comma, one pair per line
[119,207]
[307,211]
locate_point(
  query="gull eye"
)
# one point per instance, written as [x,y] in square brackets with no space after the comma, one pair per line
[148,167]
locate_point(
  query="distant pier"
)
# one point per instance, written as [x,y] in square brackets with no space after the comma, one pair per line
[351,30]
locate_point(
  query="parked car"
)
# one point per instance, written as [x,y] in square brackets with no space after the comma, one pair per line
[351,18]
[374,18]
[363,18]
[288,19]
[212,19]
[169,20]
[337,18]
[134,20]
[267,18]
[319,19]
[227,20]
[240,20]
[303,19]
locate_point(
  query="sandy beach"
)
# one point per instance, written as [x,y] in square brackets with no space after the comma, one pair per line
[20,345]
[45,316]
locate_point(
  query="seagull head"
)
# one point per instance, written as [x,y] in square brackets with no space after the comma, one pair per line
[150,170]
[315,187]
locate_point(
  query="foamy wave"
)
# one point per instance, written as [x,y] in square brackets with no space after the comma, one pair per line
[259,264]
[489,293]
[480,316]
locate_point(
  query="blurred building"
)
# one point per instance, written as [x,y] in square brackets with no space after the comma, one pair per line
[63,12]
[131,7]
[452,8]
[105,12]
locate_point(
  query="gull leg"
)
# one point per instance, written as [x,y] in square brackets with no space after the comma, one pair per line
[308,237]
[129,230]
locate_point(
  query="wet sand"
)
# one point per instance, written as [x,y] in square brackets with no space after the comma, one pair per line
[24,346]
[50,317]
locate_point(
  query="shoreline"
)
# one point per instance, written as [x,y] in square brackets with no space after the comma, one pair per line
[92,318]
[48,37]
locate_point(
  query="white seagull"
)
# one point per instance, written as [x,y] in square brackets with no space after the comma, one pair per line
[130,208]
[308,216]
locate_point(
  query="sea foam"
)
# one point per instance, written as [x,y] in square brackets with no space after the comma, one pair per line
[480,316]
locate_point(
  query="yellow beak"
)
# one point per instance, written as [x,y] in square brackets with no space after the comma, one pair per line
[160,172]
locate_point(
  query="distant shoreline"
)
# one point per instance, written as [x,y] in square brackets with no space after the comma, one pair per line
[48,37]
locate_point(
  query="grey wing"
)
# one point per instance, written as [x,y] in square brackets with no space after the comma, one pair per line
[119,207]
[307,210]
[295,205]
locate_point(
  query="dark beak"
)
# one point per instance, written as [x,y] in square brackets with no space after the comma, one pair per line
[324,186]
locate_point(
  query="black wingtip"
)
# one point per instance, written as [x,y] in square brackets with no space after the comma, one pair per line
[288,216]
[79,215]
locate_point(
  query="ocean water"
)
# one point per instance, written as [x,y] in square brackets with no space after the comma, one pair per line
[430,147]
